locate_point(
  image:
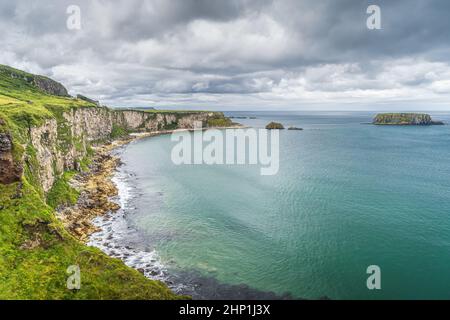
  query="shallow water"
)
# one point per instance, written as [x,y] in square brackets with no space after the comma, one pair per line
[347,195]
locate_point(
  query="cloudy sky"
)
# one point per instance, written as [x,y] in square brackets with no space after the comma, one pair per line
[237,54]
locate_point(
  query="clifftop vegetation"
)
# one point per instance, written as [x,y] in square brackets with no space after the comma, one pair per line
[35,249]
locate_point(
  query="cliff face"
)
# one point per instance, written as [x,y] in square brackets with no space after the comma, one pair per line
[62,144]
[43,134]
[10,170]
[50,86]
[414,119]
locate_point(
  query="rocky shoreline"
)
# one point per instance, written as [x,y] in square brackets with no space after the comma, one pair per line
[97,188]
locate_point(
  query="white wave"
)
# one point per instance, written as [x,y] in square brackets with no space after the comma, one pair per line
[115,230]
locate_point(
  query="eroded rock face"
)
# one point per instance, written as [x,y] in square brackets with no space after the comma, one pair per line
[50,86]
[61,146]
[9,170]
[45,141]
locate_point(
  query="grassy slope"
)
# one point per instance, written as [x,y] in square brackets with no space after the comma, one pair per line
[35,250]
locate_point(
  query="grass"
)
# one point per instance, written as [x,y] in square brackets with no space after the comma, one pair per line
[220,122]
[5,100]
[118,131]
[35,249]
[62,193]
[35,252]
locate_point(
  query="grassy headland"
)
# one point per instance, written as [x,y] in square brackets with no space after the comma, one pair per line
[35,248]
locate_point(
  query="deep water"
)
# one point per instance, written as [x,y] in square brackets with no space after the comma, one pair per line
[347,195]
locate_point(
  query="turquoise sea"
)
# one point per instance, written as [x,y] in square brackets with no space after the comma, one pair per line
[348,195]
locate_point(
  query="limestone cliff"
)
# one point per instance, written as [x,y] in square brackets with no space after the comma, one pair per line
[52,132]
[45,136]
[62,144]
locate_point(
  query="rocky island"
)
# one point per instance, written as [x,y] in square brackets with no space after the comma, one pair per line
[274,126]
[405,119]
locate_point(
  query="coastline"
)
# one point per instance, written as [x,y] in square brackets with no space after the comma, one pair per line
[100,204]
[111,232]
[97,188]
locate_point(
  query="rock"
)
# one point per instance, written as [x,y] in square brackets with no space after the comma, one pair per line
[10,170]
[295,128]
[50,86]
[141,270]
[405,119]
[5,142]
[84,98]
[274,126]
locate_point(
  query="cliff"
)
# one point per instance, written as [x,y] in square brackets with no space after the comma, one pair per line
[43,84]
[62,143]
[45,137]
[402,119]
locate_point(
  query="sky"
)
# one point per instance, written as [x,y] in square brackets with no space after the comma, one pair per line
[237,54]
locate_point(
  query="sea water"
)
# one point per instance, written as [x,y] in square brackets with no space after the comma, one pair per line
[348,195]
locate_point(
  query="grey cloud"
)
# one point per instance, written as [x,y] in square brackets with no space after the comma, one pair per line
[185,50]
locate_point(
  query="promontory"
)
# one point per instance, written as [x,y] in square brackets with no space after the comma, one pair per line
[46,137]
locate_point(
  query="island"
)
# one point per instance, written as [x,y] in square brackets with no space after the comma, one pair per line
[274,126]
[295,128]
[405,119]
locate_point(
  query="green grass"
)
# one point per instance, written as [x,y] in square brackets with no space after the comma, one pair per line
[35,249]
[35,252]
[62,193]
[118,132]
[26,104]
[220,122]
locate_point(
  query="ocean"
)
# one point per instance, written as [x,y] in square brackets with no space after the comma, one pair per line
[348,195]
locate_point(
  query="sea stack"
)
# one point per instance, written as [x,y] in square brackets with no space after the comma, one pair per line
[274,126]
